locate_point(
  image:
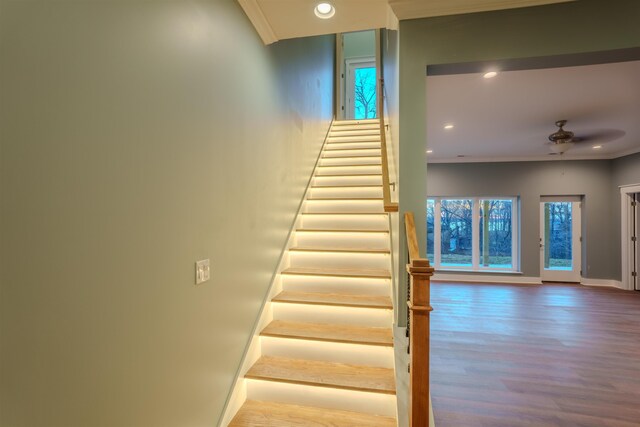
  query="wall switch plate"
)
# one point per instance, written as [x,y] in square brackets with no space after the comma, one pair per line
[203,271]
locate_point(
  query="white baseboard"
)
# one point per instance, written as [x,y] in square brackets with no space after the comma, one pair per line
[486,278]
[518,280]
[602,282]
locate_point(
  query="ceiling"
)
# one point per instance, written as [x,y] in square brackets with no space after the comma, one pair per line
[285,19]
[509,117]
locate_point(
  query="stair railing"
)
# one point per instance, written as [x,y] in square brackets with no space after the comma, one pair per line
[418,329]
[389,206]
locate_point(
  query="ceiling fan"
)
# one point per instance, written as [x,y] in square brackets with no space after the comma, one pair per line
[562,140]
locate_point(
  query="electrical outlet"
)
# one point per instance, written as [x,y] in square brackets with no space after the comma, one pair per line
[203,271]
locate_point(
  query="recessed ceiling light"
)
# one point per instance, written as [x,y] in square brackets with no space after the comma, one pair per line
[429,151]
[597,147]
[490,74]
[324,10]
[448,126]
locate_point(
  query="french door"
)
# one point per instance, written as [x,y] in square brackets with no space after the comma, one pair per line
[635,250]
[560,239]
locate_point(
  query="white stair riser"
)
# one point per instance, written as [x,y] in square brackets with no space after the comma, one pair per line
[348,169]
[355,354]
[372,161]
[347,145]
[369,222]
[339,260]
[332,314]
[341,139]
[355,132]
[347,180]
[322,397]
[351,153]
[347,193]
[339,127]
[342,240]
[338,206]
[359,122]
[345,285]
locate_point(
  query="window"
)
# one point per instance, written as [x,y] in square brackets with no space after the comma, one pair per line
[472,233]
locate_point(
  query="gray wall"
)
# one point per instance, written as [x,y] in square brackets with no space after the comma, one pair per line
[529,181]
[138,137]
[515,33]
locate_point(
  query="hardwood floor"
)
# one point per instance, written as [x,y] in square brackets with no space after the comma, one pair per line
[550,355]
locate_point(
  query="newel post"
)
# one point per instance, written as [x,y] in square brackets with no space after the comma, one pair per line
[419,309]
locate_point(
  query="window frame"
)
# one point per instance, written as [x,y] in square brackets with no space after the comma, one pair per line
[475,233]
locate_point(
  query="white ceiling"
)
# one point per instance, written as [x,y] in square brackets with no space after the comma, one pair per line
[510,116]
[285,19]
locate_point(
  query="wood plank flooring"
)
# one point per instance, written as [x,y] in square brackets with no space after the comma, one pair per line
[520,355]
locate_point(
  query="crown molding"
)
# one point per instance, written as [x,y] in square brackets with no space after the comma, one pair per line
[255,14]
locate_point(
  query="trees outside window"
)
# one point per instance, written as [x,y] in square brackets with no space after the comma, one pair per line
[365,93]
[472,233]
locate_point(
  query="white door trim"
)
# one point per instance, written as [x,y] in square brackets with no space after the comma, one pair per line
[626,222]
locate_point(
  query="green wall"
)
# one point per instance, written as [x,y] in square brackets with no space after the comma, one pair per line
[359,44]
[581,26]
[137,137]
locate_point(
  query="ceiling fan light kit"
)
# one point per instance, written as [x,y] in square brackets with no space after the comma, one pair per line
[561,147]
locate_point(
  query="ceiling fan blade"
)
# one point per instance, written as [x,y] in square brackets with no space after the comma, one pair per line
[604,135]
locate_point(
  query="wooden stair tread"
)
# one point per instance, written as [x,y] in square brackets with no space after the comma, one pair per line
[351,157]
[344,198]
[351,122]
[351,148]
[339,272]
[351,165]
[338,230]
[324,374]
[337,249]
[271,414]
[346,174]
[340,300]
[348,186]
[329,332]
[345,213]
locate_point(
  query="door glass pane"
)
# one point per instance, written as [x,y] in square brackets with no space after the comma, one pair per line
[495,233]
[430,230]
[364,96]
[557,236]
[455,232]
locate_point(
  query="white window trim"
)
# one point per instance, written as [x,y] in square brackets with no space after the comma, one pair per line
[475,233]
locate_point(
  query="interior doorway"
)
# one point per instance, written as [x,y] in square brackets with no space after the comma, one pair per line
[356,83]
[560,239]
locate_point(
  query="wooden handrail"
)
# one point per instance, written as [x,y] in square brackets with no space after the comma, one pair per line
[389,206]
[419,303]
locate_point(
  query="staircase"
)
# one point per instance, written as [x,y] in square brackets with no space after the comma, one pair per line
[326,353]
